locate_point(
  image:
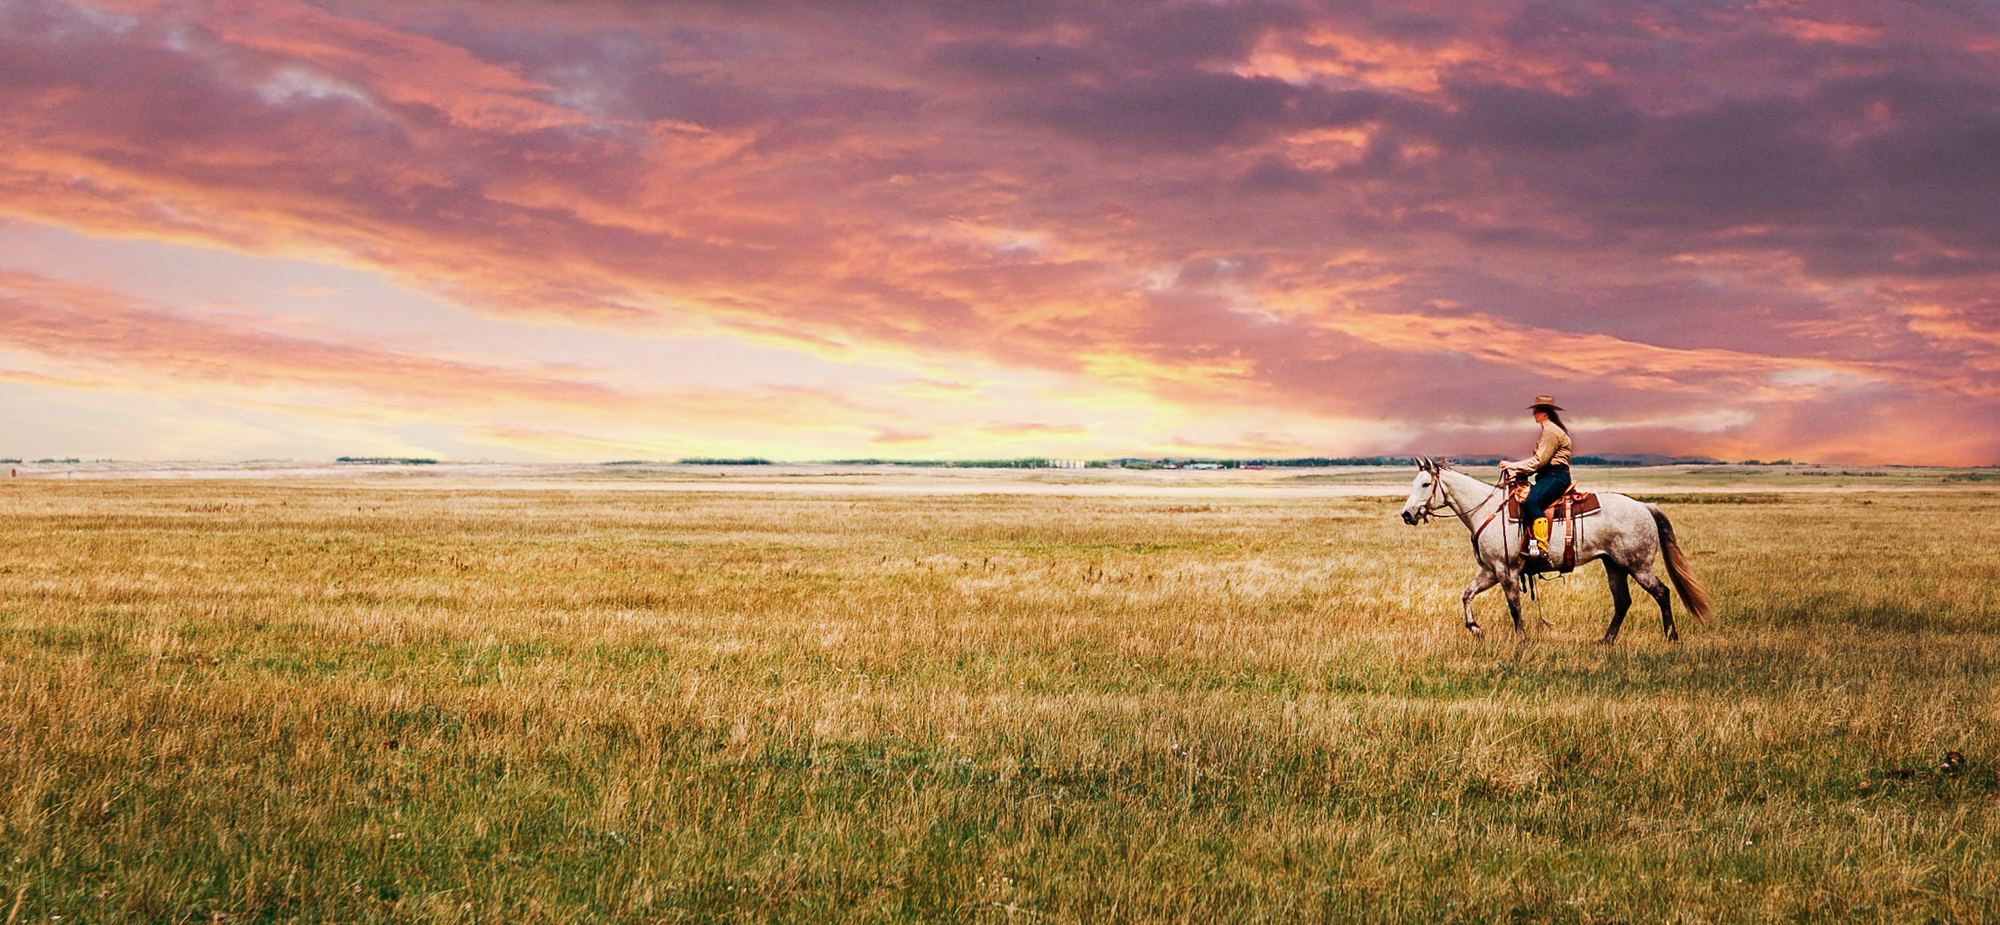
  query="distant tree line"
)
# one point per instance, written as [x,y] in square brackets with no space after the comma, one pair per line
[692,461]
[388,460]
[920,463]
[1308,462]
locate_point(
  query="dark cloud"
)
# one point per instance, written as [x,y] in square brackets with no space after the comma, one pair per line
[1719,167]
[1565,25]
[1184,112]
[1000,64]
[1418,29]
[1273,174]
[1004,15]
[1507,118]
[1189,111]
[1196,34]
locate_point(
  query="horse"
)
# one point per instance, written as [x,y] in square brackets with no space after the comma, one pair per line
[1626,535]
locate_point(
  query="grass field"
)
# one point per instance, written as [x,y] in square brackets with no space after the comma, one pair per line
[375,701]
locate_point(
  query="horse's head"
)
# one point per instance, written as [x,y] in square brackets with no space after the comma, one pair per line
[1426,495]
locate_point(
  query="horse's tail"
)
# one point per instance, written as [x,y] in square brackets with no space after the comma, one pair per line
[1692,593]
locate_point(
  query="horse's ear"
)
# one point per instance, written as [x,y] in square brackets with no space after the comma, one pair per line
[1424,463]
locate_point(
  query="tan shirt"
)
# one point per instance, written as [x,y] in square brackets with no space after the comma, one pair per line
[1551,449]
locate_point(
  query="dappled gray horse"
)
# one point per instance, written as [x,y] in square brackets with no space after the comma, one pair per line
[1626,535]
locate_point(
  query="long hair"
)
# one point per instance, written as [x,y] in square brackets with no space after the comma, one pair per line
[1557,417]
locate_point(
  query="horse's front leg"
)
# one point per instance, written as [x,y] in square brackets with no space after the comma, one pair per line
[1480,582]
[1512,588]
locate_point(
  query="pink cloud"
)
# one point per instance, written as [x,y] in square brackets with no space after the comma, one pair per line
[101,340]
[99,333]
[1790,211]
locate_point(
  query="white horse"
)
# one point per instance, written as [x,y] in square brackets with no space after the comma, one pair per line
[1626,534]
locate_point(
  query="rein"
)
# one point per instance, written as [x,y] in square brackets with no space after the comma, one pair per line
[1489,518]
[1437,482]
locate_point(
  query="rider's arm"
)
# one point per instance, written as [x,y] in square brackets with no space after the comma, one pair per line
[1545,450]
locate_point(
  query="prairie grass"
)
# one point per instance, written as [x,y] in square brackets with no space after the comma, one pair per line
[381,702]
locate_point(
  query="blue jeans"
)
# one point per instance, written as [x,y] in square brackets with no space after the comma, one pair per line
[1549,485]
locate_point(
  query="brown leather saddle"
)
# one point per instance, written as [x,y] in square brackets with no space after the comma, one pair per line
[1571,505]
[1562,515]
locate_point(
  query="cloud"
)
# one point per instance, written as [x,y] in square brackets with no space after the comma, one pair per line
[1342,211]
[100,340]
[102,335]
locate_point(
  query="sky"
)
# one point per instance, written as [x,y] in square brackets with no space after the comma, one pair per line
[594,230]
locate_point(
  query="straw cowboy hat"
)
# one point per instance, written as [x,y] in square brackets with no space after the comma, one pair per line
[1545,401]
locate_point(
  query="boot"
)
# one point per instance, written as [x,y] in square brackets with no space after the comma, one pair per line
[1538,540]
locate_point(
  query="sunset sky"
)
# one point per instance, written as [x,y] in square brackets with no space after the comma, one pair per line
[587,230]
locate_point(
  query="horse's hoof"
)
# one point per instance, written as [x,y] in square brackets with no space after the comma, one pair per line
[1474,629]
[1608,640]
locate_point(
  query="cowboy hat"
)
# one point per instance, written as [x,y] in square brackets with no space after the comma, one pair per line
[1545,401]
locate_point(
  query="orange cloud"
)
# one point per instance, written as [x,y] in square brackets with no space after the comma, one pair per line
[91,338]
[97,332]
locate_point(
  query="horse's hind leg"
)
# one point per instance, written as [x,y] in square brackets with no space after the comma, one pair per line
[1621,598]
[1658,589]
[1480,582]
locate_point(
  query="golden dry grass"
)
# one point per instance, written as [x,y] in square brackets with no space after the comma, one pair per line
[365,701]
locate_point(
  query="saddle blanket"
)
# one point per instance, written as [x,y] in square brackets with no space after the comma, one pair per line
[1571,505]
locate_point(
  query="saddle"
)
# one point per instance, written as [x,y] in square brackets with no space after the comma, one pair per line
[1562,514]
[1571,505]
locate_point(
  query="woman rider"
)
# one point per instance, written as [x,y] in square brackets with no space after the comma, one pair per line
[1550,466]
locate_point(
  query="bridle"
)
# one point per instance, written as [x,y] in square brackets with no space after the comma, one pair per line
[1431,503]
